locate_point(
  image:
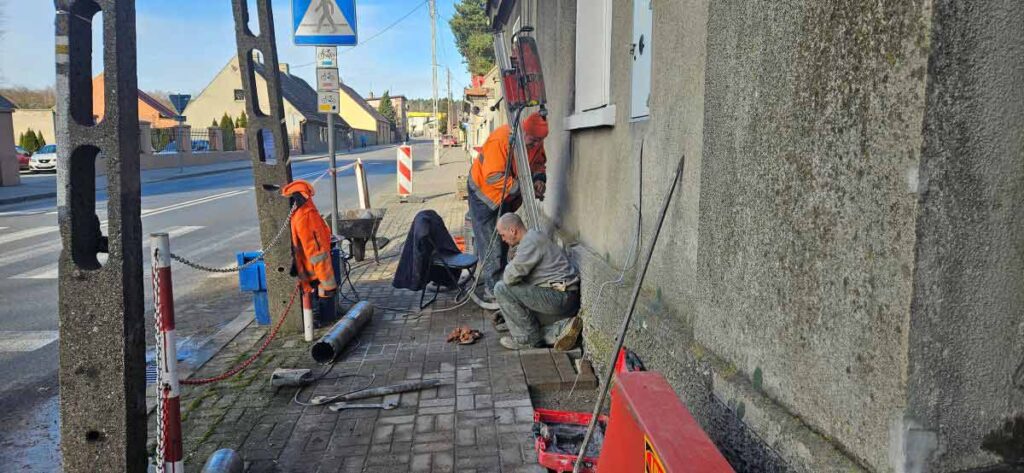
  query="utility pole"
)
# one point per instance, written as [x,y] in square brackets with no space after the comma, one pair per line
[433,62]
[451,117]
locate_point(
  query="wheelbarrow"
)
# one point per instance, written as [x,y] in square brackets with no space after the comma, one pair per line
[359,226]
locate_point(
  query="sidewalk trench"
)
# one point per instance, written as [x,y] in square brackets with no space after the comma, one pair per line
[478,420]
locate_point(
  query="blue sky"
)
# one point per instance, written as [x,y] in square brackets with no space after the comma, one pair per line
[183,43]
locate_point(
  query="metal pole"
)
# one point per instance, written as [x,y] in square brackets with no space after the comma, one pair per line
[433,62]
[629,315]
[307,315]
[334,175]
[504,62]
[168,390]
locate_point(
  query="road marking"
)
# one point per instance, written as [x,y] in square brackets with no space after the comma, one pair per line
[50,271]
[25,340]
[27,233]
[24,213]
[190,203]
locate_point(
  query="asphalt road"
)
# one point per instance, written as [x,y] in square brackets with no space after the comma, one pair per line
[209,218]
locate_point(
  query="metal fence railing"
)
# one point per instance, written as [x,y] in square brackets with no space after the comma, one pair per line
[165,140]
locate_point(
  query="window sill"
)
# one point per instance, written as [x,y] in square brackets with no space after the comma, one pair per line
[591,118]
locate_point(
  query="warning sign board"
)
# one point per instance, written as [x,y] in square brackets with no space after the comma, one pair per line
[324,22]
[652,463]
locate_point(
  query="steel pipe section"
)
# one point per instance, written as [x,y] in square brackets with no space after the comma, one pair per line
[224,460]
[330,346]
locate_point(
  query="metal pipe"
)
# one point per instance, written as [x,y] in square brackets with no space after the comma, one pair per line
[168,389]
[374,392]
[330,346]
[629,316]
[224,460]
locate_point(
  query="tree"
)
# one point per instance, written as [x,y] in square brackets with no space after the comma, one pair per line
[386,108]
[40,141]
[243,120]
[470,26]
[29,141]
[214,124]
[227,128]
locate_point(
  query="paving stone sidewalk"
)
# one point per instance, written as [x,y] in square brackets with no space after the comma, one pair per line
[478,420]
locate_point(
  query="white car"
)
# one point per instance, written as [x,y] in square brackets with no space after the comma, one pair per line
[45,159]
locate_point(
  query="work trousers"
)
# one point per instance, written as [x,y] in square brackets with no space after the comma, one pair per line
[522,303]
[492,263]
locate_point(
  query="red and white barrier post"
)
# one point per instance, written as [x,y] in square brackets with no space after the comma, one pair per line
[169,449]
[307,315]
[404,173]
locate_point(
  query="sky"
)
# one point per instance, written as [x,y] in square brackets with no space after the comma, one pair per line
[182,44]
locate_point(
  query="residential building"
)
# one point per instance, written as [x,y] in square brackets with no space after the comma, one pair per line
[307,128]
[9,168]
[369,127]
[401,106]
[35,119]
[483,96]
[150,109]
[421,124]
[837,283]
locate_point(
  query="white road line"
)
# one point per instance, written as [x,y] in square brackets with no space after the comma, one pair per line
[27,233]
[50,271]
[25,340]
[190,203]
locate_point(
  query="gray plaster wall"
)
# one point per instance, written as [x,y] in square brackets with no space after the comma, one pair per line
[967,318]
[808,206]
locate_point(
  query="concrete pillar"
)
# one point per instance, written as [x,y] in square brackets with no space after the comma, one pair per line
[241,143]
[271,170]
[8,160]
[102,331]
[145,137]
[183,138]
[216,135]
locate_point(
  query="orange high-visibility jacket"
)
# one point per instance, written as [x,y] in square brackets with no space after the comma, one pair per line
[487,173]
[311,241]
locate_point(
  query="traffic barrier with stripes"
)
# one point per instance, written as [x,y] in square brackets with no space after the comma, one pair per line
[169,450]
[404,173]
[307,315]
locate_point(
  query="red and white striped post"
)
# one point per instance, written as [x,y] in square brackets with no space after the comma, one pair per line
[404,173]
[168,390]
[307,315]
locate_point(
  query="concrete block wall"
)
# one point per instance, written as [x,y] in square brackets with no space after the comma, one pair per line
[838,283]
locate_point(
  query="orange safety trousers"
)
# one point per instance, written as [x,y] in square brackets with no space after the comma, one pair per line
[311,246]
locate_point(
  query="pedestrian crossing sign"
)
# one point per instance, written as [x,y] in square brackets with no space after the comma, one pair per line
[324,22]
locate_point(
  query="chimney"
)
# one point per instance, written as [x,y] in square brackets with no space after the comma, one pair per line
[284,68]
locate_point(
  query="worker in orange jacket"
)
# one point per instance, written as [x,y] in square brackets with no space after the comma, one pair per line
[491,176]
[311,245]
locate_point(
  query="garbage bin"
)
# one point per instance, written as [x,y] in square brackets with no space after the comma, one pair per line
[254,279]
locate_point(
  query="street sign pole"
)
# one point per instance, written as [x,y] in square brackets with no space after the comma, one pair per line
[334,174]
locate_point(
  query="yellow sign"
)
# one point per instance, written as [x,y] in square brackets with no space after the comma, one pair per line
[652,463]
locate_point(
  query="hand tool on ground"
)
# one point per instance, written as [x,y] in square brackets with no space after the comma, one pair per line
[387,406]
[374,392]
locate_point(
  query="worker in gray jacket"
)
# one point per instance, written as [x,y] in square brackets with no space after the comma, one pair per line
[539,292]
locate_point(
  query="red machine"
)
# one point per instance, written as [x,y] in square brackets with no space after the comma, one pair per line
[523,84]
[649,430]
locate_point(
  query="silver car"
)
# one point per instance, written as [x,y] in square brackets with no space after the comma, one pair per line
[45,159]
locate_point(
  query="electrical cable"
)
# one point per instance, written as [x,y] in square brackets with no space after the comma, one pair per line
[367,40]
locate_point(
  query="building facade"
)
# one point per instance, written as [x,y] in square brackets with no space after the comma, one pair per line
[837,283]
[401,106]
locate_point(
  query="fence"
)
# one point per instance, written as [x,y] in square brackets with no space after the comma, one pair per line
[165,140]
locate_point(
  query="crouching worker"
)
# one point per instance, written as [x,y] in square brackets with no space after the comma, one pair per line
[311,250]
[539,282]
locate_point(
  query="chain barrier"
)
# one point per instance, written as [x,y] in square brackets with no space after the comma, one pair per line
[161,388]
[233,269]
[245,364]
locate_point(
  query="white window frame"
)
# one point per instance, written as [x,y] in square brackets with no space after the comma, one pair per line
[593,109]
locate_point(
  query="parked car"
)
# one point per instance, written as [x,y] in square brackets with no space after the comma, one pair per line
[449,141]
[45,159]
[197,146]
[23,157]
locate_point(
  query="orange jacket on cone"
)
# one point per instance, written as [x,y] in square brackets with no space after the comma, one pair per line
[311,240]
[487,173]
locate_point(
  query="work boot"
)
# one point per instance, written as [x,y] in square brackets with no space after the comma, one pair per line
[511,344]
[569,335]
[498,321]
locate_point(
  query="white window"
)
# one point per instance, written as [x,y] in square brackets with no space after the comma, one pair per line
[593,65]
[641,84]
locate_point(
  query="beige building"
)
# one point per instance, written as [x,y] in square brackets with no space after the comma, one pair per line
[401,106]
[481,120]
[35,119]
[369,127]
[307,128]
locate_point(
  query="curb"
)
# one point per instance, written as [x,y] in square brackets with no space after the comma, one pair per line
[27,198]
